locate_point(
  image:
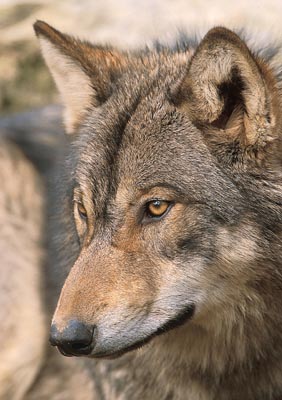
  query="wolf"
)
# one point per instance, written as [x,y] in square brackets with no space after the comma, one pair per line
[169,217]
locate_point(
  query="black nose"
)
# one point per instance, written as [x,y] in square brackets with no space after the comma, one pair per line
[75,339]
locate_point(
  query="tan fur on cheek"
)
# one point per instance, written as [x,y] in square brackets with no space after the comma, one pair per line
[238,246]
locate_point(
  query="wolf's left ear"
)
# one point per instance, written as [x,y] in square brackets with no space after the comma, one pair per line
[231,95]
[82,72]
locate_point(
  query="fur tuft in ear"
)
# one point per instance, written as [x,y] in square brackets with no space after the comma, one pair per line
[82,72]
[229,92]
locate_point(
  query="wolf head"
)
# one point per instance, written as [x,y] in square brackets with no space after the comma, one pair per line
[174,170]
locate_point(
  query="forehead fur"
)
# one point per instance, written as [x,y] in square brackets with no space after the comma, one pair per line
[139,139]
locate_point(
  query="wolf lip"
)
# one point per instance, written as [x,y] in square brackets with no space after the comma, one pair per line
[63,352]
[66,351]
[175,322]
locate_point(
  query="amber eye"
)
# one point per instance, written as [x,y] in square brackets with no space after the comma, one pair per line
[81,211]
[157,208]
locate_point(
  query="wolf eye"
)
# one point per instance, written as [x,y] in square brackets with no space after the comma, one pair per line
[81,211]
[157,208]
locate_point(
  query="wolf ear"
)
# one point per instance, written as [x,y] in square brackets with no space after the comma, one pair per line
[82,72]
[229,93]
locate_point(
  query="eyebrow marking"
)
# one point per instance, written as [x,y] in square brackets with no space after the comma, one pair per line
[165,185]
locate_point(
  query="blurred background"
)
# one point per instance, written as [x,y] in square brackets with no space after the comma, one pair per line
[25,82]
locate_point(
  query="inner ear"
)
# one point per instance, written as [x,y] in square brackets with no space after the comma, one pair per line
[231,95]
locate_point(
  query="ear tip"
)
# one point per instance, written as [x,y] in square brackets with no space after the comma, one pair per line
[39,27]
[219,29]
[221,32]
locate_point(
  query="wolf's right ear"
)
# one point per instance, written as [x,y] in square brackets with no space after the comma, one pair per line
[232,95]
[82,72]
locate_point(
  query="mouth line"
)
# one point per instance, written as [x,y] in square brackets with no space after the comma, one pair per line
[69,353]
[175,322]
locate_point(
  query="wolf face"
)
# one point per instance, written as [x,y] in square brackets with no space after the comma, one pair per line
[174,170]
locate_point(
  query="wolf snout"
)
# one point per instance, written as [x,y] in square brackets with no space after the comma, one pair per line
[75,339]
